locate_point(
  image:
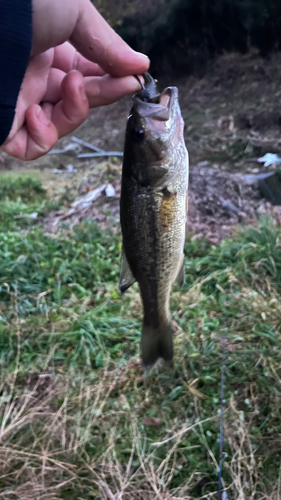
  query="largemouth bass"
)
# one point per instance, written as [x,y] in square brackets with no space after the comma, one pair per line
[153,209]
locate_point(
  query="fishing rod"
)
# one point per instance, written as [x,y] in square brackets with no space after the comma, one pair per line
[222,495]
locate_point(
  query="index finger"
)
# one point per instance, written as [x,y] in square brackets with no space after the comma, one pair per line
[66,58]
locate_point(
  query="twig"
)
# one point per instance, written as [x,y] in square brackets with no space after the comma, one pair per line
[88,198]
[222,494]
[101,153]
[69,148]
[183,431]
[87,144]
[228,204]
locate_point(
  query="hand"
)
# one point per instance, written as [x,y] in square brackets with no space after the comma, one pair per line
[60,83]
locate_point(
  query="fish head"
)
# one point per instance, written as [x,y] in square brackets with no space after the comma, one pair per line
[154,132]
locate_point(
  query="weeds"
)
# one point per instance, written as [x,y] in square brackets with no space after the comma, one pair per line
[24,187]
[20,197]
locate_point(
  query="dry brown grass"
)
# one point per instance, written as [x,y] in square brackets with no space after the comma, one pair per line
[48,429]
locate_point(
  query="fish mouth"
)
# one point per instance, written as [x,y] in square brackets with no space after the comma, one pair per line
[157,108]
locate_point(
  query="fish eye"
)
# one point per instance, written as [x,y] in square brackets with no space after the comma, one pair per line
[138,134]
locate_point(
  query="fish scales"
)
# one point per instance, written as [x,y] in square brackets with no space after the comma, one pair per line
[153,213]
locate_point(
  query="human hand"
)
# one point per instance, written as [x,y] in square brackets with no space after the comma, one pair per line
[60,83]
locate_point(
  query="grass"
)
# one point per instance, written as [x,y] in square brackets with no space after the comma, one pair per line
[80,419]
[21,197]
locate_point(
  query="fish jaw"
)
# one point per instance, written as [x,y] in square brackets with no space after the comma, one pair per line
[154,132]
[156,118]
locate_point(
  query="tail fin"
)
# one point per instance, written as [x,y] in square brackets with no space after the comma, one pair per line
[156,343]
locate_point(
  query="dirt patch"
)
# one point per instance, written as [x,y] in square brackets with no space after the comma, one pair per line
[218,202]
[233,113]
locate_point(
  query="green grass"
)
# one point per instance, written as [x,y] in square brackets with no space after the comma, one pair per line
[73,394]
[25,187]
[21,197]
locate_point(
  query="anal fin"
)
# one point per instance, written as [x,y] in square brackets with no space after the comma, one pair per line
[126,276]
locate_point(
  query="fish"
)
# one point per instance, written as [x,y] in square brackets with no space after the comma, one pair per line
[153,211]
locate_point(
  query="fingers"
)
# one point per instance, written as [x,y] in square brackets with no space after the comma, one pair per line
[73,109]
[35,138]
[98,42]
[43,127]
[101,89]
[53,90]
[33,88]
[41,132]
[106,90]
[67,58]
[59,120]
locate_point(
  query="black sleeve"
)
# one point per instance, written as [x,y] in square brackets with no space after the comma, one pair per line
[15,47]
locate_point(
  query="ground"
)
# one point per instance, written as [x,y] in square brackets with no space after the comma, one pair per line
[232,117]
[79,417]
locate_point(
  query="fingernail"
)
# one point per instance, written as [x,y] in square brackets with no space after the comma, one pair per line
[42,117]
[82,92]
[144,56]
[140,80]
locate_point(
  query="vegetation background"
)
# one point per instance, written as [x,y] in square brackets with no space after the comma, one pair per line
[181,36]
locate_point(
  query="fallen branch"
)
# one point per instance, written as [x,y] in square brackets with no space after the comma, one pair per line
[34,215]
[79,206]
[93,195]
[69,148]
[104,153]
[253,178]
[228,204]
[86,144]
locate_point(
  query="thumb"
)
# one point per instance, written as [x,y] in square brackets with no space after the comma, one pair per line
[98,42]
[56,21]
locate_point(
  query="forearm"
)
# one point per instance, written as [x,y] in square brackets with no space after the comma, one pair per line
[15,48]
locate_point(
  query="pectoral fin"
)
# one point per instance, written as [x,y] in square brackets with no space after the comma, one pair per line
[126,276]
[155,177]
[180,279]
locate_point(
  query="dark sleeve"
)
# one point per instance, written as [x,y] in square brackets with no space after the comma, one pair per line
[15,47]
